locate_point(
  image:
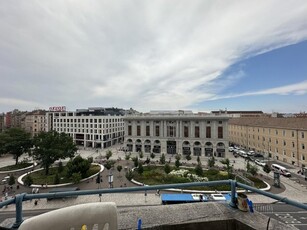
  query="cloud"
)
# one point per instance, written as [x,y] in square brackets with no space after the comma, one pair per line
[140,54]
[295,89]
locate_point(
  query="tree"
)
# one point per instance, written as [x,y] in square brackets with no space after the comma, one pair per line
[129,175]
[178,157]
[61,167]
[108,165]
[135,161]
[177,163]
[12,179]
[167,168]
[78,165]
[162,159]
[3,140]
[141,154]
[152,155]
[228,167]
[198,160]
[119,168]
[248,166]
[140,168]
[211,162]
[56,179]
[109,154]
[267,169]
[28,181]
[76,177]
[127,156]
[51,146]
[199,170]
[17,141]
[188,157]
[253,170]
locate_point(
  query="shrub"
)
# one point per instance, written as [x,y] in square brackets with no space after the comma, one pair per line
[28,181]
[56,179]
[109,154]
[199,170]
[162,159]
[61,167]
[129,175]
[12,179]
[140,168]
[167,168]
[76,177]
[78,165]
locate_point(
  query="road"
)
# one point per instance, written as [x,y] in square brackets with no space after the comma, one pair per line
[285,213]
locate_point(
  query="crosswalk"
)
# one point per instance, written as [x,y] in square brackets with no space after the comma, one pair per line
[264,208]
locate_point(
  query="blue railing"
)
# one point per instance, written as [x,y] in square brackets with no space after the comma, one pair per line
[234,184]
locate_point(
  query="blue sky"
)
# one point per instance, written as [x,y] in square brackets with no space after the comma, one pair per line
[154,55]
[277,68]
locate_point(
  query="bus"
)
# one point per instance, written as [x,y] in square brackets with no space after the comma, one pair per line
[182,198]
[282,170]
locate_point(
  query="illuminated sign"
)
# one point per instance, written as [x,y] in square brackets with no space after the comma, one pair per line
[57,108]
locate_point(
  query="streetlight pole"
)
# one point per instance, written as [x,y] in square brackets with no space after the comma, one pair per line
[110,178]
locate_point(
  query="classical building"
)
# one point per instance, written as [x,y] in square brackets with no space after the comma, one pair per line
[283,139]
[35,122]
[92,127]
[179,132]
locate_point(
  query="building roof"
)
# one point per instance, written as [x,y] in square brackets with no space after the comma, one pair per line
[271,122]
[237,112]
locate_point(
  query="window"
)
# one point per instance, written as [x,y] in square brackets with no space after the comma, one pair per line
[293,145]
[186,131]
[303,157]
[208,132]
[303,146]
[292,133]
[157,130]
[220,132]
[303,136]
[196,132]
[147,130]
[208,122]
[138,130]
[293,154]
[129,130]
[220,122]
[284,133]
[276,141]
[276,132]
[171,131]
[285,143]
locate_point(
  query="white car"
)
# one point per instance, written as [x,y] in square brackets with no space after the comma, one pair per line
[217,197]
[261,163]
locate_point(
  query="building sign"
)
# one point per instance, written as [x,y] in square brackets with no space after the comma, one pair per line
[57,108]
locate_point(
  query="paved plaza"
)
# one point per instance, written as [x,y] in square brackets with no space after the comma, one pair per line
[291,188]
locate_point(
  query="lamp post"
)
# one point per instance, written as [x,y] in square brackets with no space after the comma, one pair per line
[110,178]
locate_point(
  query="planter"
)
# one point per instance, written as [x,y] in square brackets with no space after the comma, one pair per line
[242,202]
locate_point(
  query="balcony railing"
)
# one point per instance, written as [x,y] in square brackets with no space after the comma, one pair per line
[234,184]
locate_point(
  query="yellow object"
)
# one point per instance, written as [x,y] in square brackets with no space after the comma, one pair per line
[84,227]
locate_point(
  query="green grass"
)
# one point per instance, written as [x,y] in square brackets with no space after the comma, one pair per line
[16,167]
[39,177]
[155,175]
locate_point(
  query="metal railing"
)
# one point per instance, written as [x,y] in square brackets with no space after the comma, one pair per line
[234,184]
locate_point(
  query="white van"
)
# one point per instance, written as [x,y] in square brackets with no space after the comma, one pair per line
[282,170]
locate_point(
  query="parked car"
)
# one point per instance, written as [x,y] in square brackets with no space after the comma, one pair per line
[250,153]
[260,163]
[217,197]
[230,149]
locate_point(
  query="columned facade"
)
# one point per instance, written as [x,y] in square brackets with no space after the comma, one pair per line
[177,133]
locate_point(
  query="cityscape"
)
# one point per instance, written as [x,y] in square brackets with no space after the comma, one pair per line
[153,115]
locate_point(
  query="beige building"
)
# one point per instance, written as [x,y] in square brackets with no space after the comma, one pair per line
[35,122]
[283,139]
[175,132]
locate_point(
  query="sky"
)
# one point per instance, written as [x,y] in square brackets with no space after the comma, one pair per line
[197,55]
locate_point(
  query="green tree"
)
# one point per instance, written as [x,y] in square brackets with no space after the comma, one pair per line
[162,159]
[129,175]
[78,165]
[253,170]
[28,181]
[127,156]
[135,161]
[267,169]
[11,179]
[140,168]
[177,163]
[178,157]
[152,155]
[167,168]
[248,166]
[108,165]
[109,154]
[51,146]
[61,167]
[56,179]
[199,170]
[227,166]
[76,177]
[119,168]
[188,157]
[17,141]
[141,154]
[198,160]
[211,162]
[3,141]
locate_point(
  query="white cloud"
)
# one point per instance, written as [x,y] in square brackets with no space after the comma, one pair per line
[141,54]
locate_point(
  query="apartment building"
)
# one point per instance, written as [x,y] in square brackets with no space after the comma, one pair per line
[35,122]
[175,132]
[2,124]
[283,139]
[92,127]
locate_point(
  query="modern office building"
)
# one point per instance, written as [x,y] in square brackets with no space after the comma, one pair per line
[181,132]
[92,127]
[283,139]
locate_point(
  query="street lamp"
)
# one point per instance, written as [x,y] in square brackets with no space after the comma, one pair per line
[110,178]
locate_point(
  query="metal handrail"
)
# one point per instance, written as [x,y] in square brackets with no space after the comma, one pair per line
[234,184]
